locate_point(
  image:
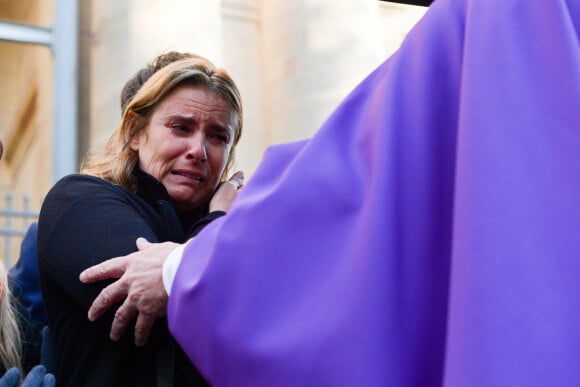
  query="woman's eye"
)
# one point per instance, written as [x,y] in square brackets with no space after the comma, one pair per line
[221,138]
[179,127]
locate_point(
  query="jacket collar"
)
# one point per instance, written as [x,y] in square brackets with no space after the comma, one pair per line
[149,188]
[153,191]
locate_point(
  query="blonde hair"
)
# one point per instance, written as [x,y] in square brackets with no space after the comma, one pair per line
[119,160]
[133,85]
[10,343]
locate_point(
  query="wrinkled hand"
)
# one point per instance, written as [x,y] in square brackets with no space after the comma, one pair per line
[226,193]
[37,377]
[140,284]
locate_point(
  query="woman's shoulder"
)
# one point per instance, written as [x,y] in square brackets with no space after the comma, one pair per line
[81,183]
[75,189]
[80,178]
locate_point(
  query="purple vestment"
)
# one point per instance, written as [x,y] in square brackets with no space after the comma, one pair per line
[427,235]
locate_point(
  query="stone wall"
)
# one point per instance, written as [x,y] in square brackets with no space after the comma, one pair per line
[294,61]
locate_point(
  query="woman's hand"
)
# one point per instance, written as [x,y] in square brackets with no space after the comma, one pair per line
[226,193]
[140,284]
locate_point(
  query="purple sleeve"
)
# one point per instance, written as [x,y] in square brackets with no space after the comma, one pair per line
[426,235]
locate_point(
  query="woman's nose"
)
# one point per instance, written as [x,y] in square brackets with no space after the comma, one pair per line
[197,148]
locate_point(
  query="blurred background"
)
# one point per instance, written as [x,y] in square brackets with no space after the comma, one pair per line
[63,64]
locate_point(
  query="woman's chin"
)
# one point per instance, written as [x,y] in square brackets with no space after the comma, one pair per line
[187,203]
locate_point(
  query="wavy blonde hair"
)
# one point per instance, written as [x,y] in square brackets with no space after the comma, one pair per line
[10,343]
[119,160]
[10,340]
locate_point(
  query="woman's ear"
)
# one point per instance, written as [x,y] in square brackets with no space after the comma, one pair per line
[135,142]
[130,121]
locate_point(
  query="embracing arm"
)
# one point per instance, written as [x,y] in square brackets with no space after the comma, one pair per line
[139,275]
[140,284]
[220,202]
[224,197]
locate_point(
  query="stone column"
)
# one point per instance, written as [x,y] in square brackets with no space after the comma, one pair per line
[315,52]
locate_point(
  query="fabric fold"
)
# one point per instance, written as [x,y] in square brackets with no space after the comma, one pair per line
[424,236]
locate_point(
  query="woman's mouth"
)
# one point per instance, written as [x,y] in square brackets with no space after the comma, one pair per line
[189,175]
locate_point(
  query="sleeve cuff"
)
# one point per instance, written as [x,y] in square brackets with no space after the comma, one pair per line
[200,224]
[171,265]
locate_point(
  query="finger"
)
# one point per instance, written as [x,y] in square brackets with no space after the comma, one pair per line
[110,295]
[123,317]
[234,184]
[237,180]
[49,380]
[143,327]
[142,243]
[111,268]
[239,177]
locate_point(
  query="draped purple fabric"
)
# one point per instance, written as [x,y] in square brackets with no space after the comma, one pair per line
[428,234]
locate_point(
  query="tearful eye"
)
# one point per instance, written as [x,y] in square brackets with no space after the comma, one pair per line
[220,138]
[180,128]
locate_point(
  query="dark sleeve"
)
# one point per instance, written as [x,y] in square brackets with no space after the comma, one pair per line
[200,224]
[30,336]
[23,277]
[85,221]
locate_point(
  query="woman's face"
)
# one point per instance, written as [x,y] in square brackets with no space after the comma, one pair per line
[187,143]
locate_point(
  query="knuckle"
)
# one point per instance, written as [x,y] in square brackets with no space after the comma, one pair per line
[120,316]
[105,297]
[134,297]
[140,330]
[146,308]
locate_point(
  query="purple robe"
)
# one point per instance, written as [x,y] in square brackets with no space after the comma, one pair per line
[428,234]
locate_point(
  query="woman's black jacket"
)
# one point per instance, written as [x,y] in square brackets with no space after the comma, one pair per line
[85,220]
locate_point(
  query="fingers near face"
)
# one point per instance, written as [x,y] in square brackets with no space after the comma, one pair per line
[237,180]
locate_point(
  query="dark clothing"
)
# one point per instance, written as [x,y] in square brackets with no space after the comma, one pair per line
[25,286]
[85,220]
[23,277]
